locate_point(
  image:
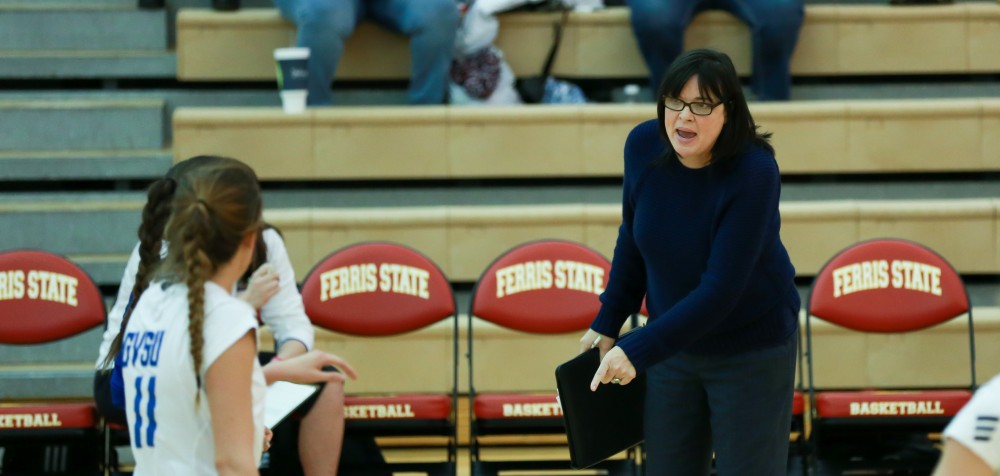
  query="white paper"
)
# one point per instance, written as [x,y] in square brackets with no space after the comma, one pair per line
[283,398]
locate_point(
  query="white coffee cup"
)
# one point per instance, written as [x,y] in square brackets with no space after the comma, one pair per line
[293,78]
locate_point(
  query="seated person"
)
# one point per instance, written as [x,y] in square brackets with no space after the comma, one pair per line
[774,28]
[324,25]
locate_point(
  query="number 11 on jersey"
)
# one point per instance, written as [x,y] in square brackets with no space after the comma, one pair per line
[139,437]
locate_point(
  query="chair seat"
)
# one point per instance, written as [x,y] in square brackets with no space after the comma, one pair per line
[512,406]
[891,404]
[798,403]
[46,416]
[117,427]
[398,407]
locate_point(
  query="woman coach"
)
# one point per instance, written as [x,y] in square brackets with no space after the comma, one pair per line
[699,239]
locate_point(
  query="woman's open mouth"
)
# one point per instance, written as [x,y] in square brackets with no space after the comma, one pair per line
[686,134]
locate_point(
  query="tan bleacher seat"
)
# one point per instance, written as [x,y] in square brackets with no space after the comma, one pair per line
[835,40]
[463,239]
[845,136]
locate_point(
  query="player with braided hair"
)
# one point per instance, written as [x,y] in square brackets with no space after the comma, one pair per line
[140,268]
[193,387]
[272,290]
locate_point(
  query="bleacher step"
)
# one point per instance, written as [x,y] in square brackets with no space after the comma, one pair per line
[98,229]
[86,64]
[463,239]
[609,191]
[82,27]
[73,383]
[811,137]
[82,124]
[84,165]
[68,3]
[31,371]
[836,40]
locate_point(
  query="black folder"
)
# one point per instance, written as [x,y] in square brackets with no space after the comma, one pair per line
[599,424]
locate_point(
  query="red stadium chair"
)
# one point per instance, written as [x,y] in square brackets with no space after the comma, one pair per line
[885,286]
[542,287]
[355,291]
[45,298]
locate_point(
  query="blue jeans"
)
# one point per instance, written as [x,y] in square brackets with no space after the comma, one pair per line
[774,27]
[324,25]
[738,405]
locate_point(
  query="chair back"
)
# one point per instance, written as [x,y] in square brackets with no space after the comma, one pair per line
[542,287]
[44,298]
[377,289]
[888,285]
[374,291]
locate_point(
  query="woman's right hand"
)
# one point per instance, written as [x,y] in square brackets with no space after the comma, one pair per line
[308,368]
[603,342]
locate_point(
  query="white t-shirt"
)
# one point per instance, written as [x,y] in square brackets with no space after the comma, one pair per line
[284,313]
[977,425]
[169,435]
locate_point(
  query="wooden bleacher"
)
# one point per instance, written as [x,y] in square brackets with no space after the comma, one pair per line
[811,137]
[464,239]
[835,40]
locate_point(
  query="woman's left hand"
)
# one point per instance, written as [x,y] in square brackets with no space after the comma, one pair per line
[615,369]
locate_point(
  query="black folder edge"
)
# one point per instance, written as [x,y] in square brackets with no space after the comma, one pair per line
[575,426]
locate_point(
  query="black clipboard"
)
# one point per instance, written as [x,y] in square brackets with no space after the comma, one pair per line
[599,424]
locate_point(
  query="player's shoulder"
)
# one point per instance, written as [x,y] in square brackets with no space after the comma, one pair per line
[219,300]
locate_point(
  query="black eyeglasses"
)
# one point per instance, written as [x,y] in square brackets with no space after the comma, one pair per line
[697,108]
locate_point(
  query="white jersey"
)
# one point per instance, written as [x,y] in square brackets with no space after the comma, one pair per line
[169,435]
[283,313]
[977,426]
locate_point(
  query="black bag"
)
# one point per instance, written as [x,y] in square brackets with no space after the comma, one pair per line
[532,88]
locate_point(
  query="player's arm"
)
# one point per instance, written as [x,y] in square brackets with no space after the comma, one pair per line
[958,460]
[230,399]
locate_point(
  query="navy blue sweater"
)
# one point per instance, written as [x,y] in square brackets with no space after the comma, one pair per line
[703,246]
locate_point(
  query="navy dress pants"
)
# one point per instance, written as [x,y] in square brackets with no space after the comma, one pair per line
[737,406]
